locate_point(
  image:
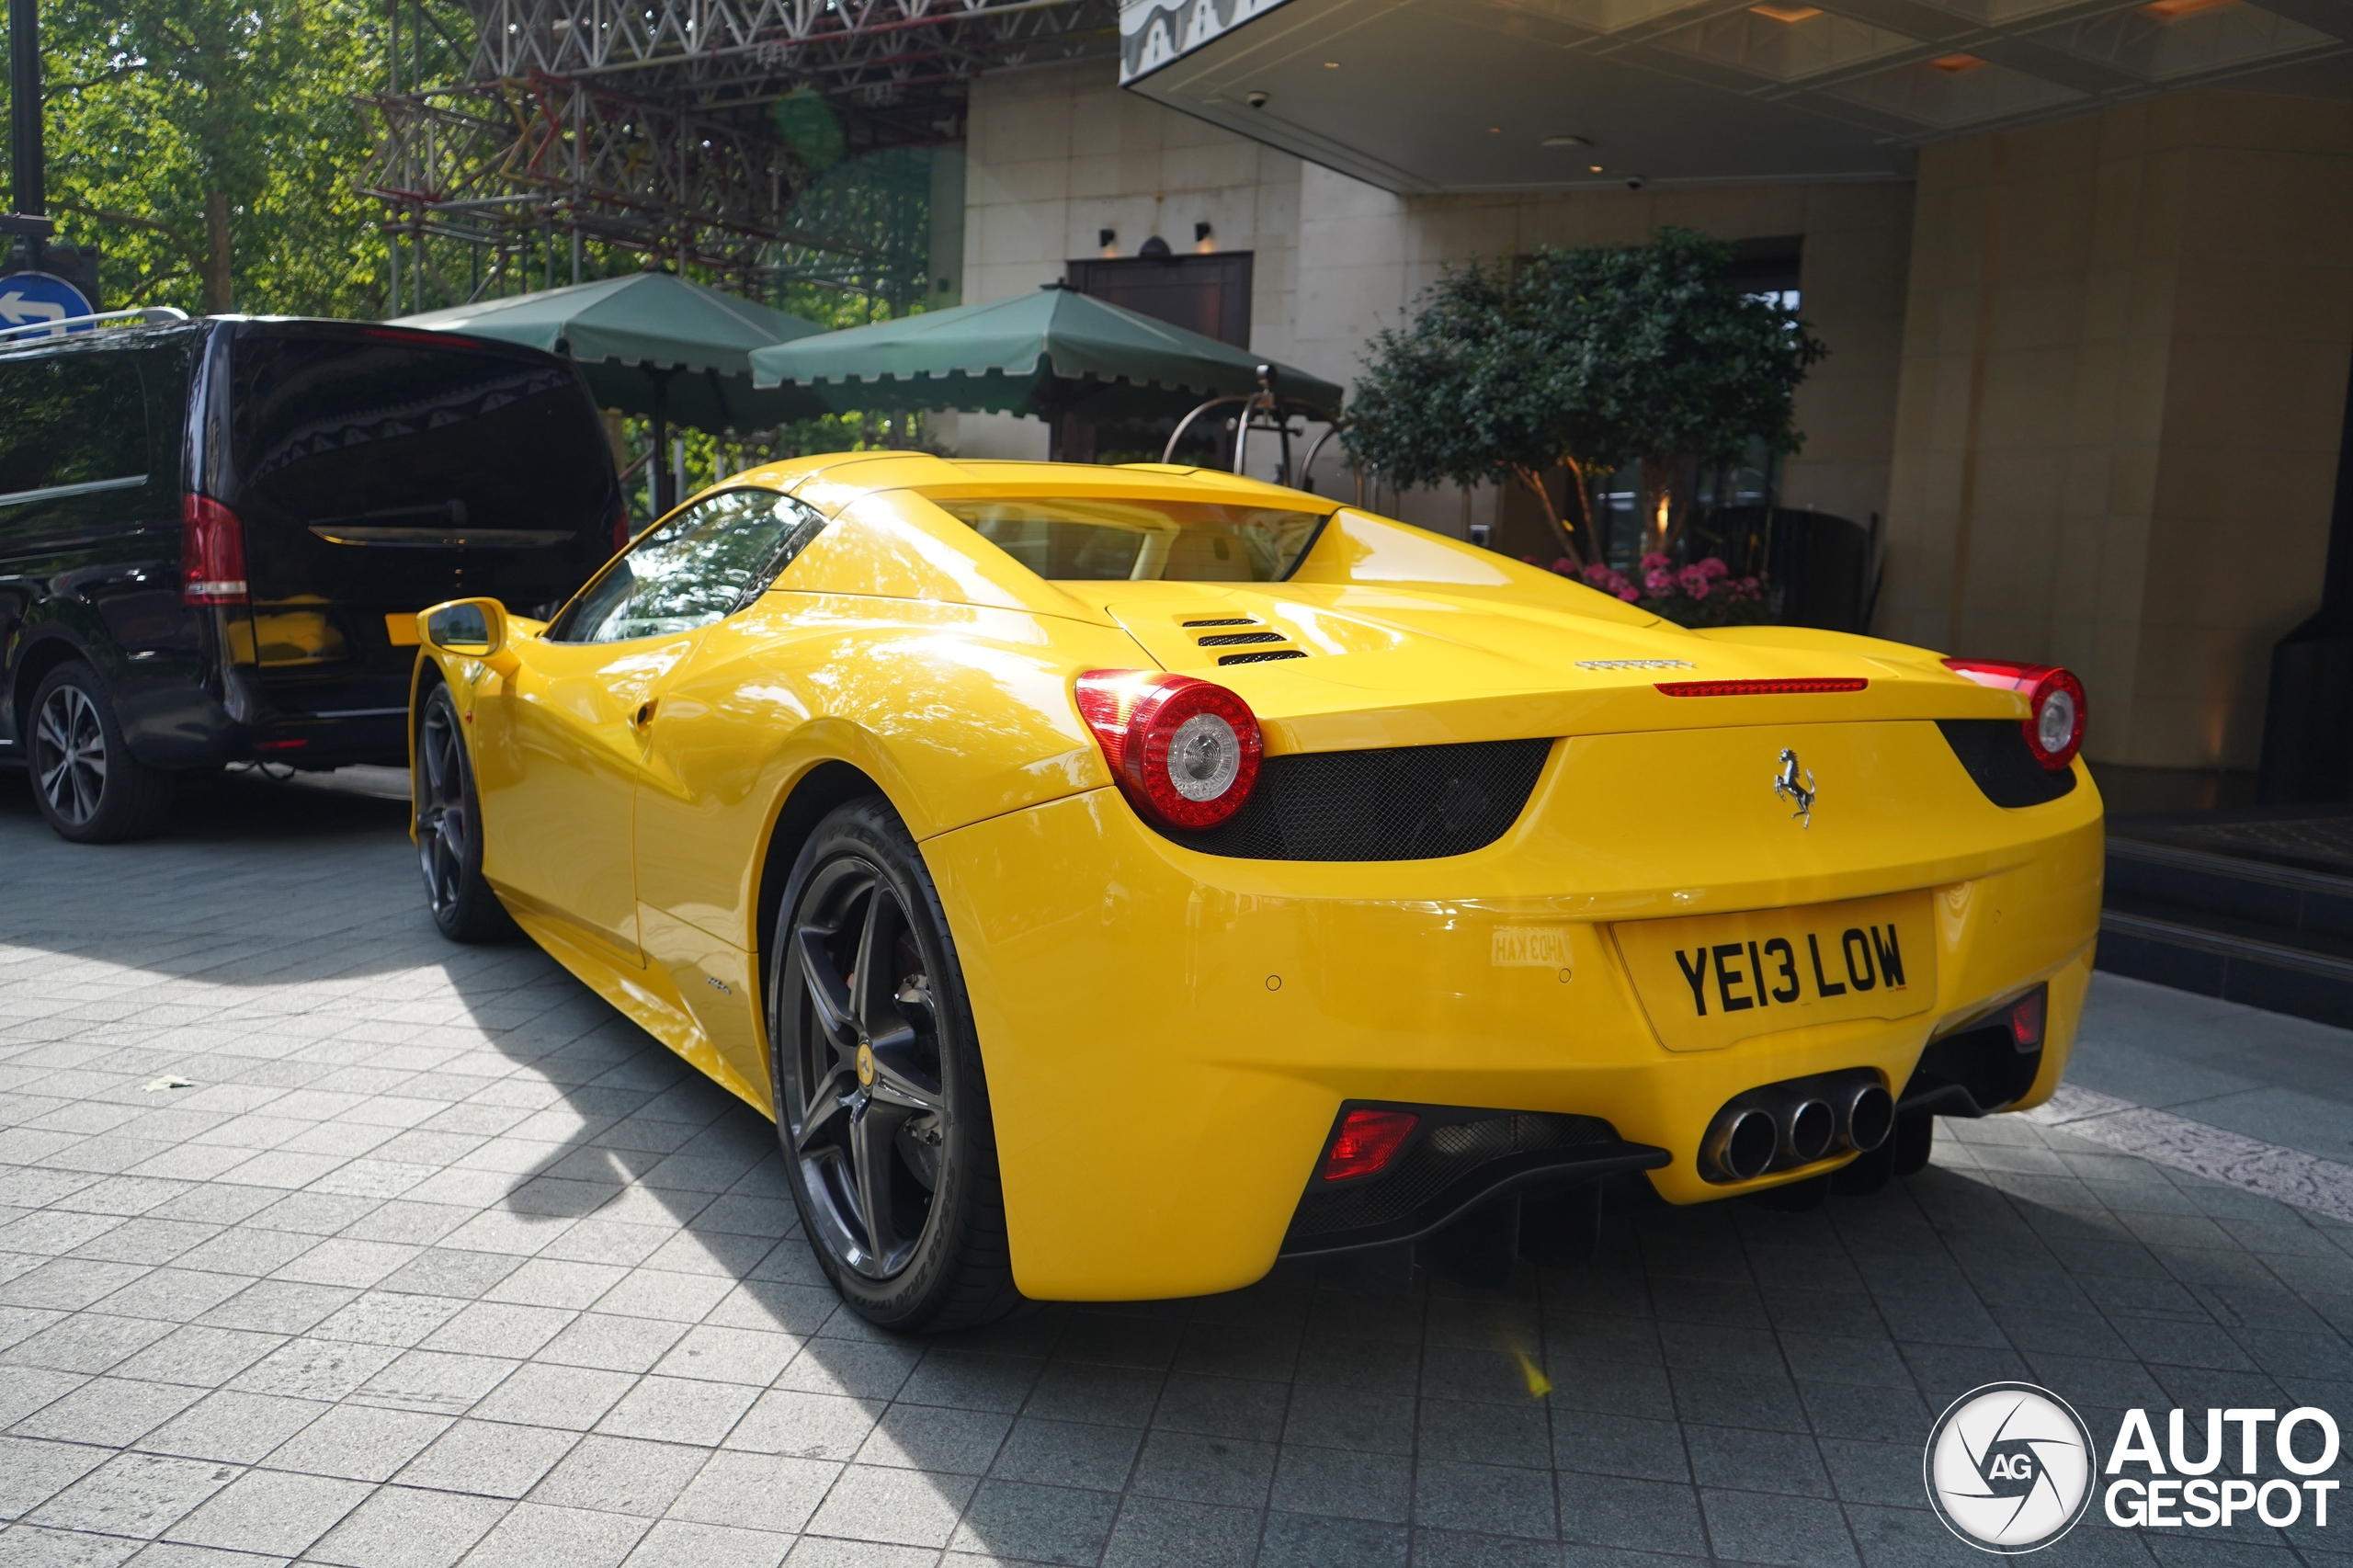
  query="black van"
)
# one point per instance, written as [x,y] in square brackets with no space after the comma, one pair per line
[215,535]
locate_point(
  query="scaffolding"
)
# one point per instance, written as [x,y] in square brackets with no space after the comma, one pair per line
[582,128]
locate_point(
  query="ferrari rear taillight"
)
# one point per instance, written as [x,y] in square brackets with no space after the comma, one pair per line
[212,552]
[2055,706]
[1368,1141]
[1185,751]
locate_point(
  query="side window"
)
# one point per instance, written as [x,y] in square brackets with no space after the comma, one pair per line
[69,420]
[700,566]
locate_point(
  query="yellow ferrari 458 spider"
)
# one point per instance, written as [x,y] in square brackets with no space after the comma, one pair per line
[1114,879]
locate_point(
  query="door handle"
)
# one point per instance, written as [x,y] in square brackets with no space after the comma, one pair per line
[644,714]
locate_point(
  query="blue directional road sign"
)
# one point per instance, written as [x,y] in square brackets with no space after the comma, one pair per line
[28,299]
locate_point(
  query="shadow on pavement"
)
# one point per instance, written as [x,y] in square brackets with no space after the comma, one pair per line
[1781,1353]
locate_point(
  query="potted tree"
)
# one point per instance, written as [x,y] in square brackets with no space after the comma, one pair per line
[1588,360]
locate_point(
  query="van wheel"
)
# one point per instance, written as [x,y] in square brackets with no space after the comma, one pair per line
[89,786]
[449,829]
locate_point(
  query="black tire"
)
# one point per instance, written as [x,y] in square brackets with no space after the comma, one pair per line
[881,1106]
[1912,1141]
[1481,1249]
[85,779]
[1866,1173]
[1560,1227]
[449,828]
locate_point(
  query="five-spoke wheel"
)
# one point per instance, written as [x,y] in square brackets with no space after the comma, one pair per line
[879,1099]
[449,834]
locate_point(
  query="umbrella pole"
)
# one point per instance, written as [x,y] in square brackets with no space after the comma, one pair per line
[664,484]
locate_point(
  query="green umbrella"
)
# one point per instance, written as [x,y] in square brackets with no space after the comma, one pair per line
[1055,353]
[653,344]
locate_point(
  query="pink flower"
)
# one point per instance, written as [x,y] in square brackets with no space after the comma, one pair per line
[1627,592]
[1712,567]
[1694,582]
[1658,580]
[1655,562]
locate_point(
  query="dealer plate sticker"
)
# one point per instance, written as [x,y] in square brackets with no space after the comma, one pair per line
[1709,981]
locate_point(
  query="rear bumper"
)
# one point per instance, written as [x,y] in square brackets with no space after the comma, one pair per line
[172,719]
[1169,1035]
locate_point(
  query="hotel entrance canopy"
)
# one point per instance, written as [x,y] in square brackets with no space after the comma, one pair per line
[1427,95]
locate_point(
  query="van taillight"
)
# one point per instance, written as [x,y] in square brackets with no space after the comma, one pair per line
[621,535]
[212,552]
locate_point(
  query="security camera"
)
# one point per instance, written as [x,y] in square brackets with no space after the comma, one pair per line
[1636,182]
[1255,100]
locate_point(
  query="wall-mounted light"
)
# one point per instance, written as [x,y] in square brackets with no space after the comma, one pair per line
[1204,238]
[1108,240]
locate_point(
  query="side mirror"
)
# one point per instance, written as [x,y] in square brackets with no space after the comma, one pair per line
[471,628]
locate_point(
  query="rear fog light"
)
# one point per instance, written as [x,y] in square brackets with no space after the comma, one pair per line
[2025,1021]
[1369,1140]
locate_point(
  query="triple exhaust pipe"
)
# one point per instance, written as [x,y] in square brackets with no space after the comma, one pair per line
[1783,1126]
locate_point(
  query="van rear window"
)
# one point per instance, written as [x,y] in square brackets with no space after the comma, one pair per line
[385,433]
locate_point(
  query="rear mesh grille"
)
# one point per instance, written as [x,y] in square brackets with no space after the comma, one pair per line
[1440,1157]
[1235,639]
[1995,754]
[1260,658]
[1396,803]
[1227,621]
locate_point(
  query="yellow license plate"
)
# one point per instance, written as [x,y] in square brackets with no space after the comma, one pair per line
[1712,980]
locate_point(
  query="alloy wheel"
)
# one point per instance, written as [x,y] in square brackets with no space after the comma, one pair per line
[70,754]
[862,1089]
[442,820]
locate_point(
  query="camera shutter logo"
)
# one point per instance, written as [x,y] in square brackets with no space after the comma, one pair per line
[2009,1468]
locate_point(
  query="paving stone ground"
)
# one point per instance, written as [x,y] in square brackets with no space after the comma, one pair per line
[439,1260]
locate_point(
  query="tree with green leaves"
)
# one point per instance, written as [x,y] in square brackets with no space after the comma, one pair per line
[209,148]
[1587,360]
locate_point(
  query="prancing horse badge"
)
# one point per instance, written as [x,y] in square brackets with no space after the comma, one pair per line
[1795,784]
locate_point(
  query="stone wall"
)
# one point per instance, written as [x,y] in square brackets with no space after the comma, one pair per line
[1058,154]
[2122,391]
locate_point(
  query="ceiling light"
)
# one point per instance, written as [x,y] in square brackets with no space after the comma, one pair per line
[1593,168]
[1331,65]
[1494,131]
[2174,10]
[1954,64]
[1787,13]
[1568,142]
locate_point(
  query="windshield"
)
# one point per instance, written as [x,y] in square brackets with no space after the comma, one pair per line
[1080,538]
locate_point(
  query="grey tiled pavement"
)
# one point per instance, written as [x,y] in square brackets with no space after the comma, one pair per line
[439,1260]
